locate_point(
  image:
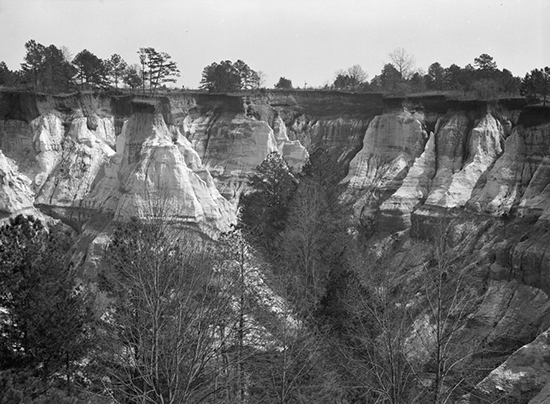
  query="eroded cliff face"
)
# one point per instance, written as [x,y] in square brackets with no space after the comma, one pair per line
[80,157]
[409,163]
[156,173]
[392,144]
[233,134]
[64,145]
[488,168]
[15,189]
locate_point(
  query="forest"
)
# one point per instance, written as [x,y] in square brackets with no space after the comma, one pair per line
[53,70]
[287,307]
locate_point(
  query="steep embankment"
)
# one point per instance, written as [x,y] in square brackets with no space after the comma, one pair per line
[63,146]
[486,166]
[157,173]
[415,157]
[82,156]
[233,134]
[408,163]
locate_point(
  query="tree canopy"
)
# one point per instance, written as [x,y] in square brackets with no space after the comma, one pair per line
[263,211]
[116,67]
[484,81]
[51,69]
[45,68]
[536,83]
[157,68]
[92,72]
[485,62]
[132,76]
[227,76]
[284,84]
[44,324]
[351,79]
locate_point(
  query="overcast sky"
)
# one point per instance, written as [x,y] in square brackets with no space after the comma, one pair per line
[303,40]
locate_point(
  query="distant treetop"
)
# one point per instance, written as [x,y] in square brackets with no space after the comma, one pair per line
[284,84]
[227,76]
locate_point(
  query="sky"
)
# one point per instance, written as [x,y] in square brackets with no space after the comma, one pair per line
[306,41]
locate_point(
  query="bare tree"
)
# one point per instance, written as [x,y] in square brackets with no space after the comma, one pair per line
[313,240]
[169,319]
[403,62]
[451,293]
[357,73]
[293,367]
[67,54]
[410,341]
[243,269]
[374,358]
[304,242]
[352,78]
[262,77]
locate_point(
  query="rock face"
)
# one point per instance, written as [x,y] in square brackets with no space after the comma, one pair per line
[520,377]
[234,134]
[472,160]
[15,188]
[65,151]
[518,180]
[65,145]
[67,172]
[395,212]
[231,146]
[391,145]
[476,164]
[155,173]
[407,163]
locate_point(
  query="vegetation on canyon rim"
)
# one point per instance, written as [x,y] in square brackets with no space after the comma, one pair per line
[50,69]
[286,308]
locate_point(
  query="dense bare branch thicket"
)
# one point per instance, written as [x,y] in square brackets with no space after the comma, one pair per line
[408,338]
[166,331]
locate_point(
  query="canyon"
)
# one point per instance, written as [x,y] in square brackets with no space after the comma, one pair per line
[88,159]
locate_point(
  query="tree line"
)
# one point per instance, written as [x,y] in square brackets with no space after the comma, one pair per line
[54,70]
[50,69]
[482,80]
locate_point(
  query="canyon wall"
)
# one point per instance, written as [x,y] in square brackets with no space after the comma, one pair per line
[409,164]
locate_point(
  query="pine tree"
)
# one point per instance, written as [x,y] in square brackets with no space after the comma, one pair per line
[45,327]
[160,69]
[263,211]
[92,71]
[116,66]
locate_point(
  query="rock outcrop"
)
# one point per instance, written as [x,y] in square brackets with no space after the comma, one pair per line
[231,146]
[67,173]
[523,377]
[395,212]
[15,188]
[391,145]
[156,173]
[408,163]
[463,157]
[518,181]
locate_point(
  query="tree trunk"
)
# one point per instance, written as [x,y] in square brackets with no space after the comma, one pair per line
[68,365]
